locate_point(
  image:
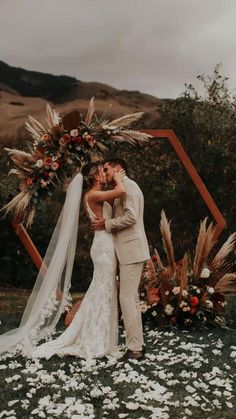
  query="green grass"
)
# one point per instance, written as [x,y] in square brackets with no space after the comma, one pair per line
[185,374]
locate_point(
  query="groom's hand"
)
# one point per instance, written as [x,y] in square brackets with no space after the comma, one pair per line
[98,223]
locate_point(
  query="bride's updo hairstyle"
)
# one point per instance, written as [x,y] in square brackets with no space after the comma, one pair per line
[89,171]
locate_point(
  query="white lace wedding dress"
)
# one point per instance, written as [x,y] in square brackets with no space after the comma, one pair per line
[93,333]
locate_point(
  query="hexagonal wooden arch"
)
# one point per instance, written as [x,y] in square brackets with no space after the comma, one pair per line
[190,169]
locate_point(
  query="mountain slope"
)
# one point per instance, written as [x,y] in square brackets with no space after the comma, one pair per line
[24,92]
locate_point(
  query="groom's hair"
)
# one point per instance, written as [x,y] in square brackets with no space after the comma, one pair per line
[115,161]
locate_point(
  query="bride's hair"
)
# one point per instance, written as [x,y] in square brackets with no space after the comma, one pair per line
[89,170]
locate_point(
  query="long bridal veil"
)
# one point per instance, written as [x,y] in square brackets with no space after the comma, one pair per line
[50,295]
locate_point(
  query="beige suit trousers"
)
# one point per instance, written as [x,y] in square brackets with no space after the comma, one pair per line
[129,300]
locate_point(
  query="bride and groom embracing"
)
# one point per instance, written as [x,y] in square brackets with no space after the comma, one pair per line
[119,242]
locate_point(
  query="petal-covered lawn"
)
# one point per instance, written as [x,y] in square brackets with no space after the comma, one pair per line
[184,374]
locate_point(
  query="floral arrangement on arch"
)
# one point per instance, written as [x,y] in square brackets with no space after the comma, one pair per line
[63,147]
[191,291]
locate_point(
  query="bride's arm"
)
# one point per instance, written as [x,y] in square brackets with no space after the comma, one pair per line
[117,192]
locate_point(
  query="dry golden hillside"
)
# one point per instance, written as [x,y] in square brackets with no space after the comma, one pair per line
[24,93]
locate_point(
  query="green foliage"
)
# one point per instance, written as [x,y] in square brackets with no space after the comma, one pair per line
[206,126]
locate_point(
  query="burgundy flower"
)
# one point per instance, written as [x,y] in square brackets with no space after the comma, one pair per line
[78,140]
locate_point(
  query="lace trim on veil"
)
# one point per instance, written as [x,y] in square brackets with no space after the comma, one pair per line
[50,296]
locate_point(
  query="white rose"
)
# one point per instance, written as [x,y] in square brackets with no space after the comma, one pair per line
[143,307]
[184,293]
[74,133]
[39,163]
[210,290]
[205,273]
[209,304]
[176,290]
[169,309]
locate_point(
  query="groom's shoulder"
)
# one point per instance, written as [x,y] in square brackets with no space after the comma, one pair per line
[131,183]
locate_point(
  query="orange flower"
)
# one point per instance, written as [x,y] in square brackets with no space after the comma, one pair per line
[90,139]
[29,181]
[47,161]
[62,141]
[194,301]
[45,137]
[152,296]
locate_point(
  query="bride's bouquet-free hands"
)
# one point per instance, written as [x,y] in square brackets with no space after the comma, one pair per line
[119,176]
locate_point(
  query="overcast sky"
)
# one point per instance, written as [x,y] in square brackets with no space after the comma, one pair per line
[154,46]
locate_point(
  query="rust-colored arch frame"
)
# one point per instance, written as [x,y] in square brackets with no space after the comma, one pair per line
[191,171]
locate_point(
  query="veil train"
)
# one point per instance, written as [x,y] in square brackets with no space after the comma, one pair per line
[50,296]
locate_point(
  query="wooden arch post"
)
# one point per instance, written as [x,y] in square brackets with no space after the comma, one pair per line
[190,170]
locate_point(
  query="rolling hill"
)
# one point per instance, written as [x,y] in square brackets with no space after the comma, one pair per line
[24,92]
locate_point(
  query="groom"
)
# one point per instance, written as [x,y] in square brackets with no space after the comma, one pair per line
[132,250]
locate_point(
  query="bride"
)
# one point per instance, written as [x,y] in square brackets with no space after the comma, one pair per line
[93,333]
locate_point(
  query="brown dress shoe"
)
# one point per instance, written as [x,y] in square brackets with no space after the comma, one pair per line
[139,355]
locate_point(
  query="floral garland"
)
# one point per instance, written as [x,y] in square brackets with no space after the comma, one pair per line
[186,292]
[64,147]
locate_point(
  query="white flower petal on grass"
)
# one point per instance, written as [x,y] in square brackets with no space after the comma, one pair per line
[230,405]
[132,406]
[216,403]
[18,387]
[42,414]
[35,411]
[152,357]
[25,404]
[123,415]
[216,352]
[219,344]
[12,402]
[9,414]
[70,400]
[227,394]
[96,392]
[200,385]
[13,378]
[233,354]
[172,382]
[189,401]
[190,389]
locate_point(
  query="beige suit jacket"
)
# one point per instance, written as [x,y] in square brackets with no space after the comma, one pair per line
[127,225]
